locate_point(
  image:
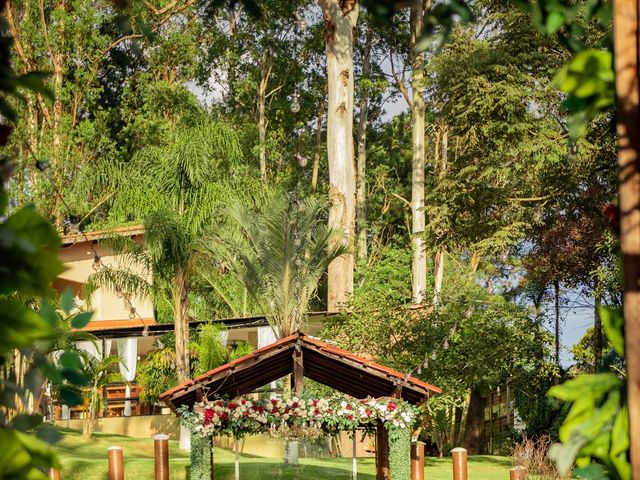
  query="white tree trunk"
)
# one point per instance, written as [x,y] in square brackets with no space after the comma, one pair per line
[419,263]
[438,268]
[265,73]
[361,190]
[340,20]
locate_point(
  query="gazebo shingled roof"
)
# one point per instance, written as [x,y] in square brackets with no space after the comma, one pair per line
[301,355]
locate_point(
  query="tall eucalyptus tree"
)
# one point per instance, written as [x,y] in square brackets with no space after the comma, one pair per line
[340,21]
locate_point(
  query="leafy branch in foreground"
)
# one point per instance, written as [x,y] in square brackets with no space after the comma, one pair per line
[597,426]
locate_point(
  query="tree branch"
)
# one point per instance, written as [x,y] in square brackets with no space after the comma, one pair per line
[404,200]
[15,33]
[399,83]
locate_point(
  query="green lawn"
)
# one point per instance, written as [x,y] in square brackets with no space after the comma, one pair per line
[88,461]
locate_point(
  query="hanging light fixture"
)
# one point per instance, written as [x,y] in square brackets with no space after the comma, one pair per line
[295,101]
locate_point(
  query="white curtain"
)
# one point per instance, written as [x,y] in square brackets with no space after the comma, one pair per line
[267,336]
[128,353]
[224,336]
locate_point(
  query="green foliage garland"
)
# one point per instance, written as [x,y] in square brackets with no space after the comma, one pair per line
[399,452]
[200,458]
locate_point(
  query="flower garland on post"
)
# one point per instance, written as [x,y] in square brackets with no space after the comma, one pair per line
[302,418]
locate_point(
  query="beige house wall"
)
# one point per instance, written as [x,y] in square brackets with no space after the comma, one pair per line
[106,304]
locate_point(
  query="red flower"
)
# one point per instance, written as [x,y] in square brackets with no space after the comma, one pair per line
[287,410]
[274,410]
[391,406]
[316,411]
[368,412]
[219,403]
[245,414]
[260,408]
[225,416]
[232,406]
[208,415]
[243,402]
[294,405]
[349,417]
[274,401]
[348,406]
[315,403]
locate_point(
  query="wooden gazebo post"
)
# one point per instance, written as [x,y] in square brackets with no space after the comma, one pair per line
[626,37]
[383,472]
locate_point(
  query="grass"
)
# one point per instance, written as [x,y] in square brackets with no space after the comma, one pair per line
[88,461]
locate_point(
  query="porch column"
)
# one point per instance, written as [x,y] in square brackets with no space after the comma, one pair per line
[128,353]
[267,336]
[383,472]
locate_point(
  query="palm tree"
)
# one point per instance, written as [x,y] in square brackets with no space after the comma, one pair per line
[96,371]
[175,190]
[279,251]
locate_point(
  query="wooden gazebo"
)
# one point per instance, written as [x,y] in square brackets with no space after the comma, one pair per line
[301,356]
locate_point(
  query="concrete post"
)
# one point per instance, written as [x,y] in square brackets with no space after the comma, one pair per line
[417,461]
[161,454]
[459,463]
[116,463]
[354,457]
[518,473]
[236,458]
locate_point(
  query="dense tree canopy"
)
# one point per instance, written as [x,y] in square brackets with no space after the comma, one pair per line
[167,114]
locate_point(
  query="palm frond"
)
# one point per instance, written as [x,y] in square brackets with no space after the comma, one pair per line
[118,280]
[279,251]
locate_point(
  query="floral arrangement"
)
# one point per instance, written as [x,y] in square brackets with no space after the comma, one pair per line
[295,417]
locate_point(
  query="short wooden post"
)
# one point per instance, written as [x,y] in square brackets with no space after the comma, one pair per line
[161,455]
[518,473]
[417,461]
[116,463]
[459,463]
[54,474]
